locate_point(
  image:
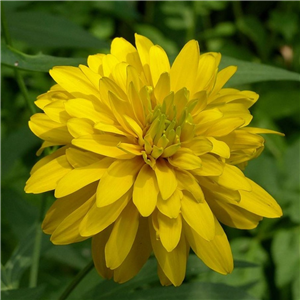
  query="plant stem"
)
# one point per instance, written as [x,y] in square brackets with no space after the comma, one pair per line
[18,75]
[37,246]
[77,280]
[4,27]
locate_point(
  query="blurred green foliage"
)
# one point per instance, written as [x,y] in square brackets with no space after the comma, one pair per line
[265,33]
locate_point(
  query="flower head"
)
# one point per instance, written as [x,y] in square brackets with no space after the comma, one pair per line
[150,159]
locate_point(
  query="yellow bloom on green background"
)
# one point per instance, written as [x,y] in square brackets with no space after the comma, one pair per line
[150,159]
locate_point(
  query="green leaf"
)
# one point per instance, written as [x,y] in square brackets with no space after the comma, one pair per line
[285,250]
[23,294]
[22,257]
[41,29]
[40,62]
[23,216]
[249,72]
[273,98]
[11,149]
[190,291]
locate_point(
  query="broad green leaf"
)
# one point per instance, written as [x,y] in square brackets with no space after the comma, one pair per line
[41,29]
[195,266]
[22,216]
[250,279]
[22,257]
[285,251]
[273,98]
[11,149]
[148,276]
[66,255]
[23,294]
[190,291]
[112,290]
[249,72]
[40,62]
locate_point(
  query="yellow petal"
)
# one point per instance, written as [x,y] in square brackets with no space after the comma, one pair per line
[46,177]
[63,207]
[95,63]
[206,72]
[220,148]
[138,255]
[216,254]
[117,180]
[164,280]
[184,69]
[159,63]
[262,130]
[186,181]
[198,216]
[222,77]
[82,108]
[74,81]
[104,144]
[46,129]
[145,191]
[185,159]
[92,76]
[166,179]
[99,218]
[80,127]
[59,152]
[233,178]
[162,88]
[259,202]
[109,63]
[131,148]
[170,207]
[124,51]
[111,128]
[68,230]
[223,126]
[211,166]
[56,111]
[121,108]
[199,145]
[232,215]
[134,126]
[172,263]
[122,237]
[169,231]
[80,177]
[136,102]
[143,46]
[80,158]
[98,244]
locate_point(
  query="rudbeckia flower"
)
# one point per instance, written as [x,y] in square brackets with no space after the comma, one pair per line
[149,159]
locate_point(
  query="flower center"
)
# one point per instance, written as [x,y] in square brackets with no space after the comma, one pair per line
[168,123]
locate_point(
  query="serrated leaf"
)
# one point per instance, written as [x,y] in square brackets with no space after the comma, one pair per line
[41,63]
[249,72]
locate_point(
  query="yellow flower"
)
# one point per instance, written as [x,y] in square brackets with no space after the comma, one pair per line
[150,159]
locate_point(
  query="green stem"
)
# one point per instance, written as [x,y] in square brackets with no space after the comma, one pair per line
[18,75]
[37,246]
[4,27]
[76,280]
